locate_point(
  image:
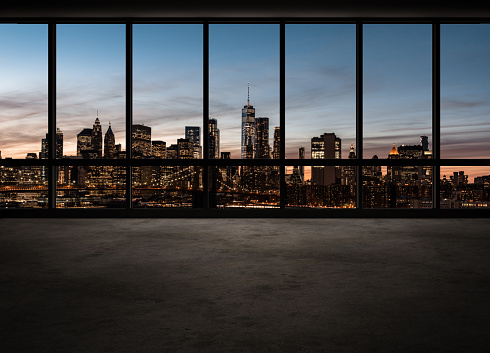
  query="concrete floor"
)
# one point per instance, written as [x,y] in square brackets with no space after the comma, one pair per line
[244,285]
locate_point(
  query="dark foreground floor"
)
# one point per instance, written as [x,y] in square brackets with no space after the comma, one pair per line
[249,285]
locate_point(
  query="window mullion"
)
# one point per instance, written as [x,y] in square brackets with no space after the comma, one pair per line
[282,114]
[205,126]
[52,168]
[129,113]
[436,113]
[359,112]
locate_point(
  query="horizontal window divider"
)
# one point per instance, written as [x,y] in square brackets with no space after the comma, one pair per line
[244,162]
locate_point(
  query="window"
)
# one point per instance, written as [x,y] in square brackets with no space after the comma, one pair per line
[265,118]
[24,114]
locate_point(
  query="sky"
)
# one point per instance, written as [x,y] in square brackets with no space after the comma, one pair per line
[244,59]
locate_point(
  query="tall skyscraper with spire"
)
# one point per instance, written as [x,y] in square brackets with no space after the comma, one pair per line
[109,143]
[97,137]
[248,129]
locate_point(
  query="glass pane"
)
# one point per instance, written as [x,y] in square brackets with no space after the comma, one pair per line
[320,86]
[91,89]
[465,187]
[397,87]
[23,90]
[325,187]
[92,186]
[397,187]
[465,92]
[22,187]
[244,186]
[167,186]
[244,88]
[167,89]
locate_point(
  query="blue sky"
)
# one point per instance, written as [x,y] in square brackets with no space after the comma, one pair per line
[320,83]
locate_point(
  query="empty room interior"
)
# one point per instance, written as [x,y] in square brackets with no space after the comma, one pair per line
[244,178]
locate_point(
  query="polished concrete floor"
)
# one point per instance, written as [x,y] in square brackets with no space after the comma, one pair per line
[244,285]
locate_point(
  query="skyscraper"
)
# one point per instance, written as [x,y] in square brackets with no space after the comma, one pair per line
[327,146]
[349,171]
[97,138]
[424,141]
[84,144]
[261,145]
[109,143]
[248,130]
[44,148]
[141,140]
[172,152]
[59,145]
[159,149]
[412,152]
[193,134]
[301,155]
[213,131]
[393,171]
[185,149]
[277,143]
[298,176]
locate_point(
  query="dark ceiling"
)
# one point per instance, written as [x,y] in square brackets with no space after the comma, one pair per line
[283,9]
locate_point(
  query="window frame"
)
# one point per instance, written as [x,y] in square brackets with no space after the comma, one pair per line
[282,211]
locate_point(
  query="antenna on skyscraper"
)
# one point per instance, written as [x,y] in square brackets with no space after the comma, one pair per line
[248,96]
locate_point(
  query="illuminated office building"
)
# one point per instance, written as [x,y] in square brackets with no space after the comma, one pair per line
[277,143]
[109,143]
[97,138]
[371,174]
[159,149]
[393,172]
[141,141]
[172,152]
[411,173]
[193,134]
[327,146]
[349,172]
[213,133]
[261,146]
[59,145]
[185,149]
[84,144]
[459,178]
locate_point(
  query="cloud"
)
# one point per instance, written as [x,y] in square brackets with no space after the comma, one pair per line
[449,104]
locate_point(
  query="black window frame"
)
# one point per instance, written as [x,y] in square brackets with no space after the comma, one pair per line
[282,211]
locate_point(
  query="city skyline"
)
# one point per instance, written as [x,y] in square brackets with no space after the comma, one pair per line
[162,97]
[193,134]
